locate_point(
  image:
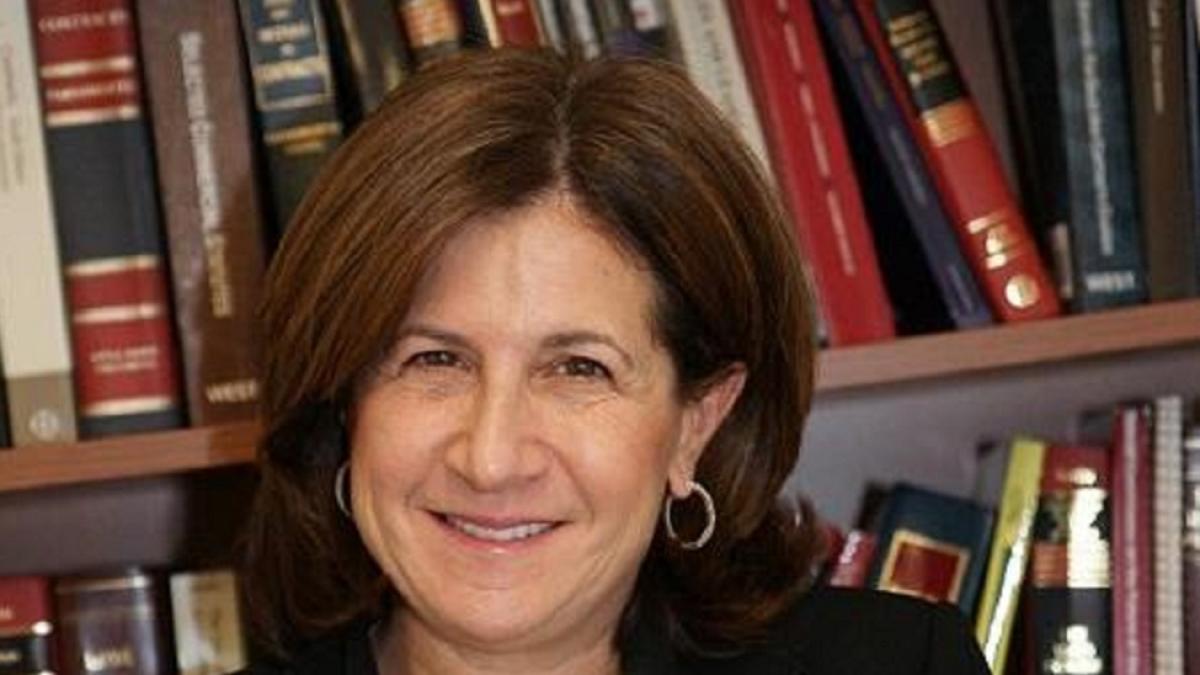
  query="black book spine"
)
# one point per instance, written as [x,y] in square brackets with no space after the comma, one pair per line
[370,54]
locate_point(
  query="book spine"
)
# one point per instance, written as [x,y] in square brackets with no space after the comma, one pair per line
[1132,530]
[1167,539]
[370,54]
[215,225]
[294,96]
[617,32]
[711,57]
[653,23]
[812,165]
[207,623]
[853,565]
[98,142]
[581,30]
[1070,575]
[26,626]
[434,28]
[1157,79]
[1191,50]
[112,625]
[552,29]
[902,160]
[1009,556]
[965,164]
[34,341]
[1191,549]
[1105,235]
[501,23]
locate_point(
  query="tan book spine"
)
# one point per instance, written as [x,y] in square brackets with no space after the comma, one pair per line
[34,342]
[207,622]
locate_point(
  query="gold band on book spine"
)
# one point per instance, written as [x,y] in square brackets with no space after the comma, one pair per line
[949,123]
[130,406]
[118,314]
[102,266]
[75,118]
[1002,245]
[69,69]
[124,583]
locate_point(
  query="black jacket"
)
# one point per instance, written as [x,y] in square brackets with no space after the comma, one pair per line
[829,632]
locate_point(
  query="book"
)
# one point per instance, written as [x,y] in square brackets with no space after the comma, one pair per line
[102,175]
[35,346]
[812,167]
[1070,576]
[653,23]
[112,625]
[1025,43]
[434,28]
[618,34]
[710,54]
[1191,548]
[26,626]
[294,96]
[370,54]
[966,168]
[581,32]
[1133,578]
[1166,528]
[552,29]
[501,23]
[215,223]
[923,262]
[1158,94]
[854,559]
[1191,49]
[932,546]
[207,623]
[1008,558]
[1093,105]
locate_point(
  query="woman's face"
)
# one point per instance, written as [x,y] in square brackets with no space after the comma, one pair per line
[511,454]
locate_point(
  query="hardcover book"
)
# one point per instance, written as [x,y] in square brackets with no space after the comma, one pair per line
[1158,88]
[932,546]
[1103,200]
[620,37]
[434,28]
[35,347]
[207,623]
[711,57]
[207,176]
[931,284]
[653,24]
[501,23]
[813,168]
[112,625]
[1167,535]
[294,95]
[1071,572]
[370,54]
[581,32]
[105,201]
[853,564]
[966,168]
[1191,549]
[1133,578]
[1010,550]
[26,626]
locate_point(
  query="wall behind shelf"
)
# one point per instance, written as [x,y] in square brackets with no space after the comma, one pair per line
[928,432]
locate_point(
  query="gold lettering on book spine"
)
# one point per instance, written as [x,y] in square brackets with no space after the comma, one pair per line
[1001,246]
[950,123]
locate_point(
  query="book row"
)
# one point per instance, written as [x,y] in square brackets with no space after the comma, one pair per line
[1071,557]
[132,621]
[157,150]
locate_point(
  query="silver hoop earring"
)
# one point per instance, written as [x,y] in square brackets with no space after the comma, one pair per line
[339,490]
[710,511]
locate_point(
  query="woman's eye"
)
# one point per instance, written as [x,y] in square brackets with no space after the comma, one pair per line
[434,359]
[584,368]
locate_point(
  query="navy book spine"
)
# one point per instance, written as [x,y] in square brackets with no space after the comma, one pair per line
[1093,103]
[904,166]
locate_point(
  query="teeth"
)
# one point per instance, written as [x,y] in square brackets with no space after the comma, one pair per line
[514,533]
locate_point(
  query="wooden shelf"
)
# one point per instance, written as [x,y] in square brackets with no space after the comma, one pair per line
[905,360]
[127,457]
[975,351]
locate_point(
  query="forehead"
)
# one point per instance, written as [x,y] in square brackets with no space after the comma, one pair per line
[545,267]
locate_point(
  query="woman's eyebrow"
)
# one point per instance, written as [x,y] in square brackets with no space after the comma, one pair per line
[581,337]
[436,334]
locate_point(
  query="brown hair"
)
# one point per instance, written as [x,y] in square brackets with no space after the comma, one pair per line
[636,146]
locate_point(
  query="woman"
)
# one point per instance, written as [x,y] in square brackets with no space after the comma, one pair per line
[541,353]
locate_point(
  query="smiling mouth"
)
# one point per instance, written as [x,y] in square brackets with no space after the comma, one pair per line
[496,532]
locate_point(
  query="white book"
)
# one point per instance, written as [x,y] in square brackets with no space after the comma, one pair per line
[33,327]
[207,622]
[1168,536]
[711,57]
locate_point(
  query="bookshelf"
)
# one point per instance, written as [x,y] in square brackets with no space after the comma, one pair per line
[1118,333]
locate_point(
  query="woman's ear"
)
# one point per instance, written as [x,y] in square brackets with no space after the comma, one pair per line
[702,416]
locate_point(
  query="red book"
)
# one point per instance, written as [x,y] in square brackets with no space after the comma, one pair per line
[105,202]
[791,83]
[966,167]
[853,564]
[515,20]
[1132,541]
[26,625]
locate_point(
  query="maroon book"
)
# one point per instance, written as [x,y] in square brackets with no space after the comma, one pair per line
[853,564]
[26,626]
[1132,540]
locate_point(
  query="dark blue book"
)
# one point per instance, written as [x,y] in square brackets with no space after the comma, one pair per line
[906,213]
[932,546]
[1093,103]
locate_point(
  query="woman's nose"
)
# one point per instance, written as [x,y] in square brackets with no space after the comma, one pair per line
[499,448]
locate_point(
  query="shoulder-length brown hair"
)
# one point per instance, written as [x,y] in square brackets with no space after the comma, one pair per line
[644,152]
